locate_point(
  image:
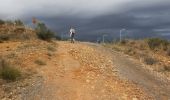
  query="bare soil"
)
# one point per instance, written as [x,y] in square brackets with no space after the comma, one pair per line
[82,71]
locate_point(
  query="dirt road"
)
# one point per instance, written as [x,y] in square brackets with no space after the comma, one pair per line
[133,70]
[84,71]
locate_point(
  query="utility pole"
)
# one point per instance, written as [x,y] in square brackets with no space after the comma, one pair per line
[62,38]
[104,38]
[121,34]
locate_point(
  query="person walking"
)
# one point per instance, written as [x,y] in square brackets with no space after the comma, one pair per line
[72,34]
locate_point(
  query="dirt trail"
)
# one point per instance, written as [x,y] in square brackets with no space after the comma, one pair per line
[134,71]
[81,72]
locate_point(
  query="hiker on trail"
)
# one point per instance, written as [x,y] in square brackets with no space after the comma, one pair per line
[72,33]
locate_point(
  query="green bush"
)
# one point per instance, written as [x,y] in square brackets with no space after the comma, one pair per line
[43,32]
[157,43]
[8,72]
[2,22]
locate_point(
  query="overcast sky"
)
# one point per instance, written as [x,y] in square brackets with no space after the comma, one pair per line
[93,18]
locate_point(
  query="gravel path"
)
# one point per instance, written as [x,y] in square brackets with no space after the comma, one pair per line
[134,71]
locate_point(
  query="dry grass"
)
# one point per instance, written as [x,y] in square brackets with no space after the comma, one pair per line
[40,62]
[157,44]
[152,52]
[51,48]
[8,72]
[150,61]
[168,51]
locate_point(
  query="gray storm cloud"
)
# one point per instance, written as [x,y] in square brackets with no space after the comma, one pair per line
[92,18]
[79,8]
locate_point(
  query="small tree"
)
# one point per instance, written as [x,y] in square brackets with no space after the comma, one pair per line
[43,32]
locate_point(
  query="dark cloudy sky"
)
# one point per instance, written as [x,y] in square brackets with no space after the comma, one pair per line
[93,18]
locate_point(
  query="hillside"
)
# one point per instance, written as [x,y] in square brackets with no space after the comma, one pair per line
[78,72]
[16,32]
[58,70]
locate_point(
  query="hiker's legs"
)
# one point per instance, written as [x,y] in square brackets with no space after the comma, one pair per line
[72,38]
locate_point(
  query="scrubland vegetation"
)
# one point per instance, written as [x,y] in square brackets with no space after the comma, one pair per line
[154,52]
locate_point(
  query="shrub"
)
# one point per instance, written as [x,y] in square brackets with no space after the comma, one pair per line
[43,32]
[19,22]
[157,43]
[51,48]
[40,62]
[128,50]
[167,68]
[50,54]
[123,42]
[2,22]
[149,61]
[8,72]
[4,37]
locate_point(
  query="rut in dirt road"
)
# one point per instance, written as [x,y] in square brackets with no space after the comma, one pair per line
[81,72]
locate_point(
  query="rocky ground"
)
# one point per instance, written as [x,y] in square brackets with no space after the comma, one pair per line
[67,71]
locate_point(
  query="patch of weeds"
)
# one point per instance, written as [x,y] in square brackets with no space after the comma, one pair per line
[123,42]
[157,43]
[128,50]
[11,55]
[40,62]
[8,72]
[51,48]
[4,37]
[167,68]
[116,48]
[149,60]
[50,54]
